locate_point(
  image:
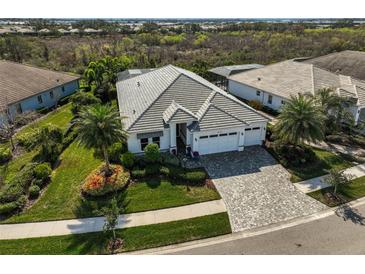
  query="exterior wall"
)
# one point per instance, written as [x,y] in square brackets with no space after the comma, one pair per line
[32,103]
[250,93]
[356,113]
[134,144]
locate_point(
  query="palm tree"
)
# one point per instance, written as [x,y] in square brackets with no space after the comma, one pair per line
[100,126]
[300,121]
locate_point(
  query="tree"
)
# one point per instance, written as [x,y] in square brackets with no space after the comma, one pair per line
[100,126]
[337,177]
[7,131]
[152,152]
[50,140]
[300,121]
[111,217]
[335,108]
[82,99]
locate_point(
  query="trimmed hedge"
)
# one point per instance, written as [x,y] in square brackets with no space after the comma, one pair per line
[128,160]
[34,191]
[5,155]
[42,171]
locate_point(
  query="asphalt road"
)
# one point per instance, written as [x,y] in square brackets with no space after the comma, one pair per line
[343,233]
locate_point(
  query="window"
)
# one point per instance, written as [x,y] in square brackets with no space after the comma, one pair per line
[40,100]
[223,134]
[18,108]
[248,129]
[256,128]
[282,102]
[203,137]
[63,89]
[144,143]
[269,100]
[258,92]
[233,133]
[51,94]
[213,136]
[156,140]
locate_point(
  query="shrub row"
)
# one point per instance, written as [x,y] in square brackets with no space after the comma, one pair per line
[194,176]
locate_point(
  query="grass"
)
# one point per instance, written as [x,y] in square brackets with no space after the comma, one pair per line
[60,117]
[325,161]
[348,192]
[134,238]
[63,199]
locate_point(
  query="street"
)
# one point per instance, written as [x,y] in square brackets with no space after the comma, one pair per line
[343,233]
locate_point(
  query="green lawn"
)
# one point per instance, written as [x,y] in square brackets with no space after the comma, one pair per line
[60,117]
[349,192]
[134,238]
[63,200]
[326,161]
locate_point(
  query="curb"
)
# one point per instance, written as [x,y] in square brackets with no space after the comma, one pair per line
[243,234]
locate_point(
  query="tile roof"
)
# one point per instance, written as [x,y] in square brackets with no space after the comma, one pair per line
[18,81]
[291,77]
[226,71]
[347,62]
[162,95]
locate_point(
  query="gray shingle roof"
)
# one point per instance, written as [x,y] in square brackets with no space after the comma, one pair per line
[169,93]
[291,77]
[18,81]
[226,71]
[346,62]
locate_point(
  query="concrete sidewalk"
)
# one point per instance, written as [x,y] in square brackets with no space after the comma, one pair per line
[77,226]
[317,183]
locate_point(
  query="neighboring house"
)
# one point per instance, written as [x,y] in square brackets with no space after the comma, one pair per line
[347,62]
[273,85]
[26,88]
[221,74]
[182,112]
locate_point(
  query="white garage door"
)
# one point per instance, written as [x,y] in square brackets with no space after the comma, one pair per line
[252,136]
[215,143]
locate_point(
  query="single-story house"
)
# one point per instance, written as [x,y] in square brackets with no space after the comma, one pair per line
[273,85]
[220,74]
[347,62]
[184,113]
[26,88]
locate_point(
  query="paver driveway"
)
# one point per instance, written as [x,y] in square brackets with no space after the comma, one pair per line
[256,189]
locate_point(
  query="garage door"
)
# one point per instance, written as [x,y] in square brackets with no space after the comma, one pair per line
[252,136]
[215,143]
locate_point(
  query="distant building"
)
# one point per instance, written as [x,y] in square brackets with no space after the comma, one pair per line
[221,74]
[26,88]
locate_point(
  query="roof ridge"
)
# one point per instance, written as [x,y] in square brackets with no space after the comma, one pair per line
[153,102]
[230,114]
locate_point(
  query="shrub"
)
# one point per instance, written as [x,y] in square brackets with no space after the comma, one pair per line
[115,151]
[5,155]
[42,171]
[152,153]
[11,192]
[22,201]
[28,139]
[34,191]
[138,173]
[128,160]
[196,177]
[169,159]
[294,155]
[173,172]
[98,184]
[255,104]
[8,208]
[152,169]
[81,99]
[69,138]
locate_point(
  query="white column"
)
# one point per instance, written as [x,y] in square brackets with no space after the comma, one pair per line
[241,139]
[172,136]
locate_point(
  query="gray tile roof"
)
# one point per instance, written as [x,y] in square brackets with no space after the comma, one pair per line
[168,93]
[130,73]
[18,81]
[226,71]
[291,77]
[346,62]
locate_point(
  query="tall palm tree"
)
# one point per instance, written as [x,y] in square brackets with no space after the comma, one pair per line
[300,121]
[100,126]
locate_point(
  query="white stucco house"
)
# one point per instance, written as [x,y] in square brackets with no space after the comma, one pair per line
[182,112]
[273,85]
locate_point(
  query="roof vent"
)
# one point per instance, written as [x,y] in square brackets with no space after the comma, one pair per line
[258,78]
[138,84]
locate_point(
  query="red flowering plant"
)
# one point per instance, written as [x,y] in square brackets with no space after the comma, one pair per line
[99,184]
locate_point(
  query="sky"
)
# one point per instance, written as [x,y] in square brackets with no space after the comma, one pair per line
[182,9]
